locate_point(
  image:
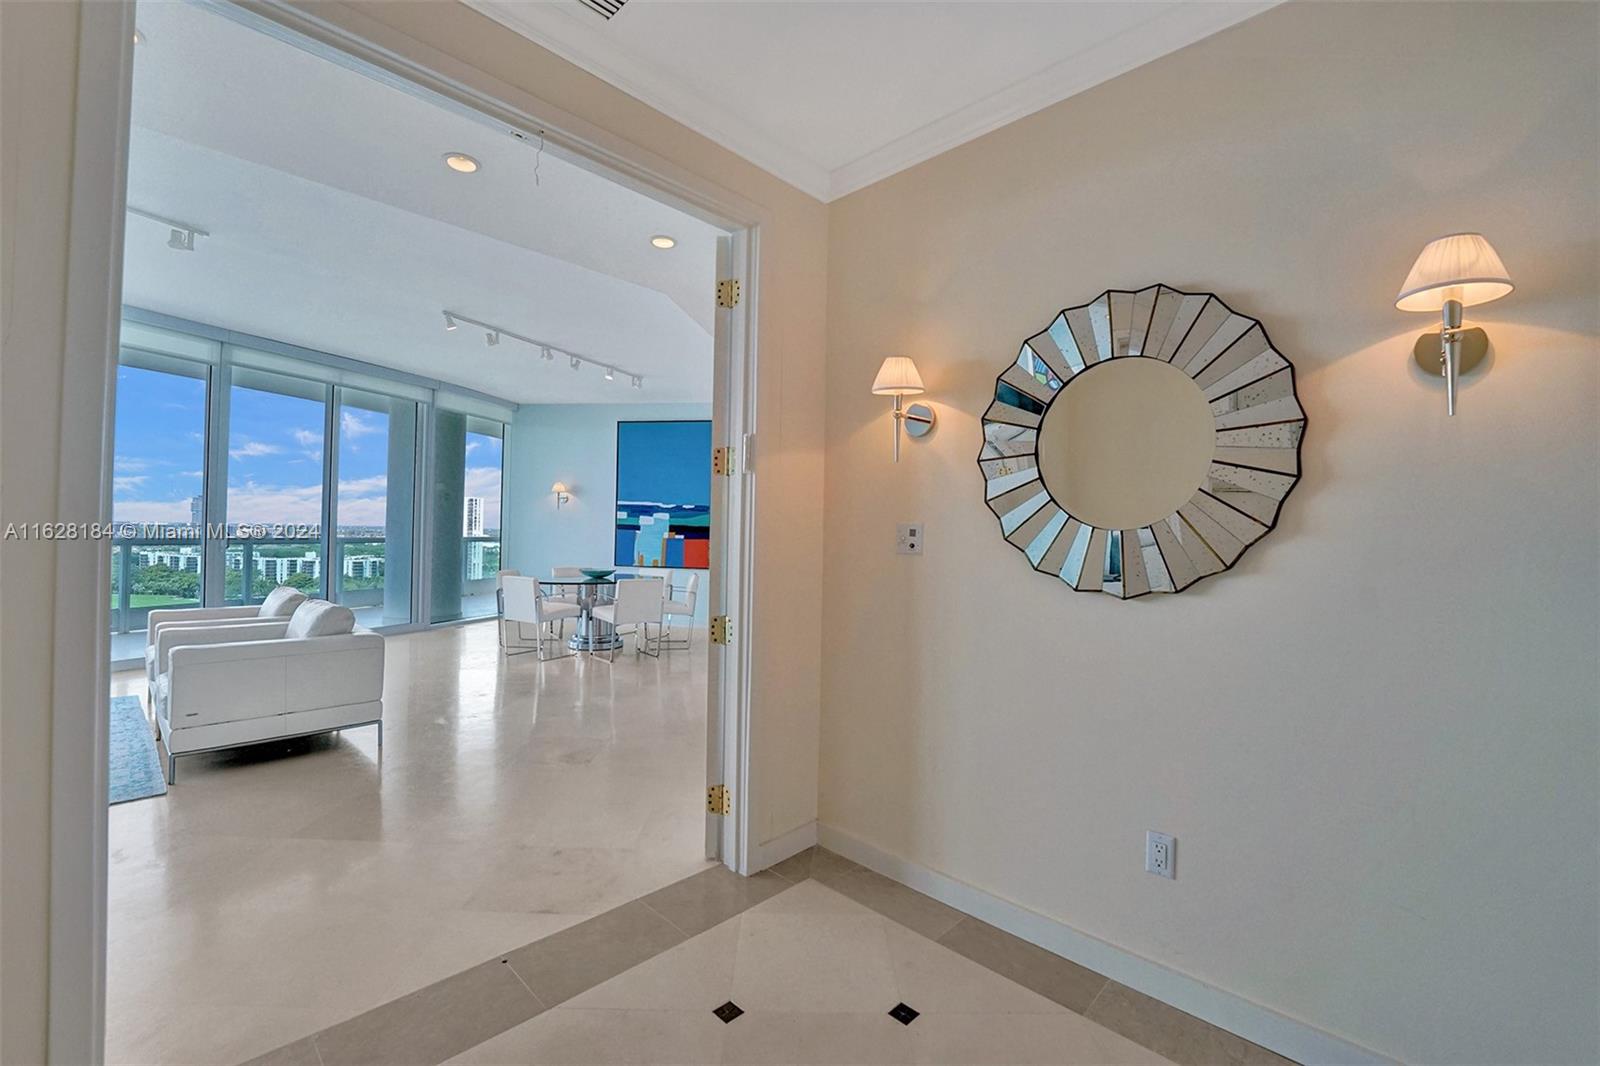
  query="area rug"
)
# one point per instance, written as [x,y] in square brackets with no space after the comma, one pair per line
[135,765]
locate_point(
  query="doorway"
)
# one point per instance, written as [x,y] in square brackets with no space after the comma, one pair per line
[346,396]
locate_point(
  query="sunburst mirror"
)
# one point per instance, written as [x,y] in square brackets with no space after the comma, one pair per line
[1142,441]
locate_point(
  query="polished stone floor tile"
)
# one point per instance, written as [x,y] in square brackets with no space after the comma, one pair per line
[814,962]
[433,1023]
[710,898]
[573,1037]
[1050,975]
[932,978]
[283,888]
[1021,1040]
[783,1038]
[890,898]
[1181,1037]
[687,977]
[576,959]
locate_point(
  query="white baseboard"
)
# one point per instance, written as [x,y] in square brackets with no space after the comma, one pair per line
[782,847]
[1296,1039]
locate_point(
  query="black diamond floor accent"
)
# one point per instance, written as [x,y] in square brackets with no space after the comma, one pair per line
[728,1011]
[903,1014]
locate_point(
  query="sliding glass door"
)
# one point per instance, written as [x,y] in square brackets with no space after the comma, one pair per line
[158,481]
[376,477]
[468,453]
[277,430]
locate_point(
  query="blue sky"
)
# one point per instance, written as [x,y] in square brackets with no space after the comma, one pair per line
[275,446]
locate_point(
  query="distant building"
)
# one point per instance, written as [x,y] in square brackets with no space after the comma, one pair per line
[171,558]
[473,524]
[197,512]
[279,568]
[365,566]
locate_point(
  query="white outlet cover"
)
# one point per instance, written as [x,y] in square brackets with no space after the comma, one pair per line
[908,538]
[1160,855]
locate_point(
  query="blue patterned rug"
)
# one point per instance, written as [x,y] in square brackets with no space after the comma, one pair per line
[134,763]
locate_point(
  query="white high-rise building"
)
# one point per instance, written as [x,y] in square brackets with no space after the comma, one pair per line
[472,526]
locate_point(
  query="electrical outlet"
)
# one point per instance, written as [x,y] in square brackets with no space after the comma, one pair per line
[908,541]
[1160,855]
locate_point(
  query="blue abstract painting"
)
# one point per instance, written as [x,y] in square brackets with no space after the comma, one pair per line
[664,494]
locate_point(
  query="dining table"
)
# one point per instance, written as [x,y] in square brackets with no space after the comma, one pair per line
[587,636]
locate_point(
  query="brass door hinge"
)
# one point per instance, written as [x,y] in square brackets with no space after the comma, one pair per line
[728,292]
[721,629]
[722,460]
[719,800]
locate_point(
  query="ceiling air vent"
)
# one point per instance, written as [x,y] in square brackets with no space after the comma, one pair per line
[606,9]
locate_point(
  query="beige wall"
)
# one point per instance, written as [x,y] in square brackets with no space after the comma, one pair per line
[1376,739]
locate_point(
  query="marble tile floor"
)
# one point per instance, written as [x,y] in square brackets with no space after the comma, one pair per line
[279,889]
[815,961]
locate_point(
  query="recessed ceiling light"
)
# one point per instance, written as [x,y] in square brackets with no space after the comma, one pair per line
[661,240]
[461,162]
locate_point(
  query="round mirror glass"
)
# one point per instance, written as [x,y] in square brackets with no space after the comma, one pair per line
[1126,443]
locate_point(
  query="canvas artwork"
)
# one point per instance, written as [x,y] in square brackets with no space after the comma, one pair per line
[664,494]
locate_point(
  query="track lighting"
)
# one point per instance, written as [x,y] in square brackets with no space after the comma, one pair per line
[181,234]
[493,334]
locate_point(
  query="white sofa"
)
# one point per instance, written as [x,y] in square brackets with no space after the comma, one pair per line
[250,680]
[280,603]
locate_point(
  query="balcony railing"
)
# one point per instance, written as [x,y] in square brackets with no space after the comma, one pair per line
[151,573]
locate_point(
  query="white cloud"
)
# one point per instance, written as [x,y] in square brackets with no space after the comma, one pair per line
[191,473]
[155,512]
[363,486]
[249,448]
[123,484]
[306,438]
[268,505]
[353,425]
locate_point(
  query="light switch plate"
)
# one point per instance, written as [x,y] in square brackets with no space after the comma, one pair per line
[908,540]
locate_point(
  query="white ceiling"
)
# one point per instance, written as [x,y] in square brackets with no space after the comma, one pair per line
[833,95]
[335,225]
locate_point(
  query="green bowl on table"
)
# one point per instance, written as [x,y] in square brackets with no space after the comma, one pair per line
[596,574]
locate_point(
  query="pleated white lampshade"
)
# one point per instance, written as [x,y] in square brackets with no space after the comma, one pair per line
[1462,266]
[897,377]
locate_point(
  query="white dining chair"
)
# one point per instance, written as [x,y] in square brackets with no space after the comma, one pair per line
[639,602]
[683,592]
[568,594]
[500,602]
[526,604]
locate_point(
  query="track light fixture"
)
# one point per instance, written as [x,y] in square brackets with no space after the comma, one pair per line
[493,334]
[181,234]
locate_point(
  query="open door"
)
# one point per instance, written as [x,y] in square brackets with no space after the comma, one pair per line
[732,498]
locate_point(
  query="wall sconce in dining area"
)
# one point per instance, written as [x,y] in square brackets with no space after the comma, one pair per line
[898,377]
[561,493]
[1453,272]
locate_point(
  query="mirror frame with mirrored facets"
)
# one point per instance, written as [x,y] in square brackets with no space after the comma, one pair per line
[1255,462]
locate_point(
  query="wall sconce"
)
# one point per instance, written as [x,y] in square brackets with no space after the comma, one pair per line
[898,377]
[1451,273]
[561,492]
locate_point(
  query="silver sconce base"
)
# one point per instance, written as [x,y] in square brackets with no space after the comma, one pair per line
[1429,353]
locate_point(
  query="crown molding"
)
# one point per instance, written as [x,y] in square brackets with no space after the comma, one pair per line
[572,38]
[1160,35]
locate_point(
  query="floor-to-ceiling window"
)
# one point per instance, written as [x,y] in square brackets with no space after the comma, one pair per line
[244,466]
[277,430]
[158,480]
[468,453]
[373,505]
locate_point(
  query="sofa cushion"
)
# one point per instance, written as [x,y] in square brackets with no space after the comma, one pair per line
[281,602]
[319,618]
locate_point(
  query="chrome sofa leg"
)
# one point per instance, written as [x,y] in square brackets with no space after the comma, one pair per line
[172,769]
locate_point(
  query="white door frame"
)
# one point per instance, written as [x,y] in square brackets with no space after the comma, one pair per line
[79,818]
